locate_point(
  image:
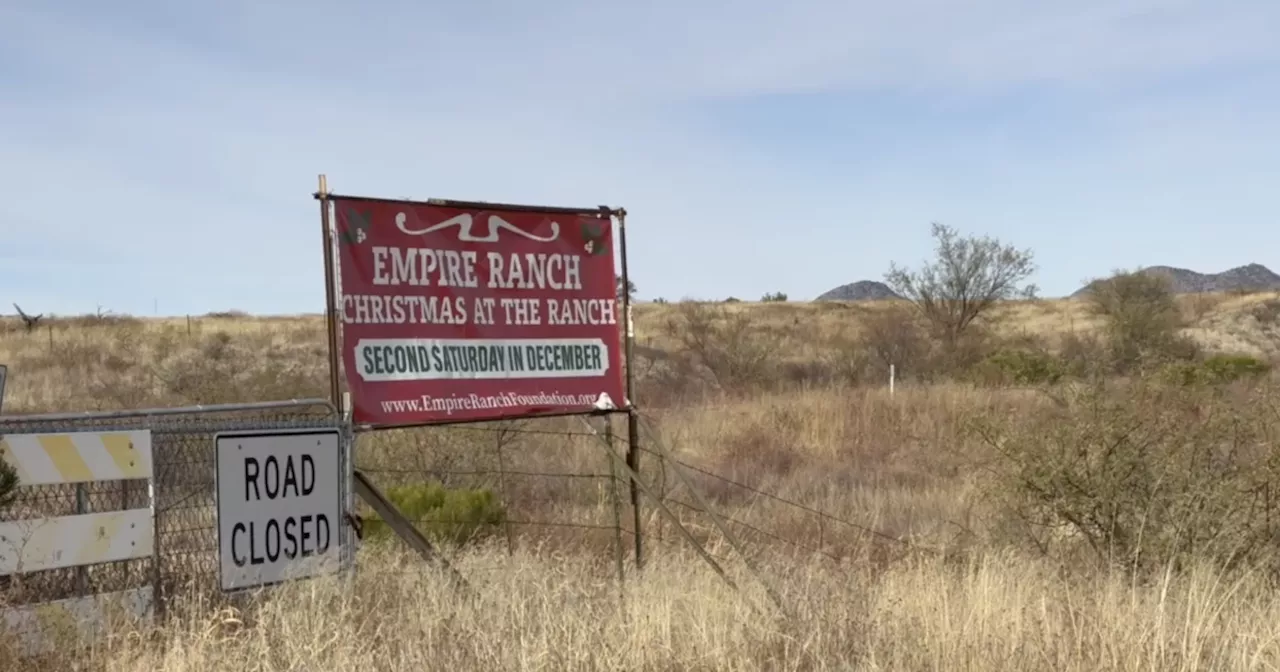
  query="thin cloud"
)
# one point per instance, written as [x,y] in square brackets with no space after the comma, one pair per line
[181,142]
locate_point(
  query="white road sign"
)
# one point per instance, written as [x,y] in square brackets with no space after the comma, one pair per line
[279,505]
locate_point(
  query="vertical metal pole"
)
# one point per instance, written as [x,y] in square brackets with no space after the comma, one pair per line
[157,595]
[126,503]
[336,397]
[348,495]
[330,313]
[82,574]
[502,488]
[617,507]
[633,428]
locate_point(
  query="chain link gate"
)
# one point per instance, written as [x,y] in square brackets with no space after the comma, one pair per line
[181,491]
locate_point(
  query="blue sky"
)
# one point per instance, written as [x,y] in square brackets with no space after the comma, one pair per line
[161,155]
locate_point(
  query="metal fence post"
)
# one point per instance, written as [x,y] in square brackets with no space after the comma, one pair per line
[158,597]
[617,507]
[82,573]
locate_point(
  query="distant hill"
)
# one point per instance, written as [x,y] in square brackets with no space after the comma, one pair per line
[863,290]
[1250,277]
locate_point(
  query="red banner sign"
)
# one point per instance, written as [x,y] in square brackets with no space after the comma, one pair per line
[452,314]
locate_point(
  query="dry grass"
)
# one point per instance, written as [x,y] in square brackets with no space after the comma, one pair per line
[955,593]
[89,364]
[1220,321]
[561,612]
[112,362]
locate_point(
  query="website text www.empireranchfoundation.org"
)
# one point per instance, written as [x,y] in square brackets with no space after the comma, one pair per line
[447,405]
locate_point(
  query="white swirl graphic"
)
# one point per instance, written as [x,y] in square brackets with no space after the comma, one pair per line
[464,222]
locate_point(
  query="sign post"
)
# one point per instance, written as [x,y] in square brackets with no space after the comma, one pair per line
[4,375]
[279,505]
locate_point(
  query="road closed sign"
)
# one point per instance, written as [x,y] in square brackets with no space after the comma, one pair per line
[279,506]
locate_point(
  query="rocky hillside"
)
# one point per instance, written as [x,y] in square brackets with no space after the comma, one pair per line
[1247,278]
[863,290]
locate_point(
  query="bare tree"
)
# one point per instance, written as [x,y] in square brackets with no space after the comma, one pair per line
[631,288]
[735,351]
[966,277]
[894,336]
[29,320]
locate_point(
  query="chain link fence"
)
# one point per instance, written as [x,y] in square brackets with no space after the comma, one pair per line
[534,482]
[185,558]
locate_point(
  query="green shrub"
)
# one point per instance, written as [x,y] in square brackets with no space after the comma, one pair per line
[1223,368]
[1142,321]
[442,514]
[1019,367]
[1215,370]
[1182,373]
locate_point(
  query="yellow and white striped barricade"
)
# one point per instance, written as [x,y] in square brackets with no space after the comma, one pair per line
[47,543]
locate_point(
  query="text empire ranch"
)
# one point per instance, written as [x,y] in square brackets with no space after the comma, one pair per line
[457,269]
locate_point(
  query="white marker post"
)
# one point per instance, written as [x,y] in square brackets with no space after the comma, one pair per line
[279,506]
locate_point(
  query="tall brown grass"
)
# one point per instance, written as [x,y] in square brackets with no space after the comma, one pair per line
[935,553]
[543,611]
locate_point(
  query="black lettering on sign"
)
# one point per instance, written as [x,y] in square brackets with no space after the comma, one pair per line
[307,550]
[273,534]
[291,536]
[294,479]
[308,474]
[271,472]
[254,558]
[251,478]
[235,556]
[322,533]
[290,478]
[286,538]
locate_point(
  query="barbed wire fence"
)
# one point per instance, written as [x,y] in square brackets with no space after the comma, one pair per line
[524,481]
[550,483]
[522,485]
